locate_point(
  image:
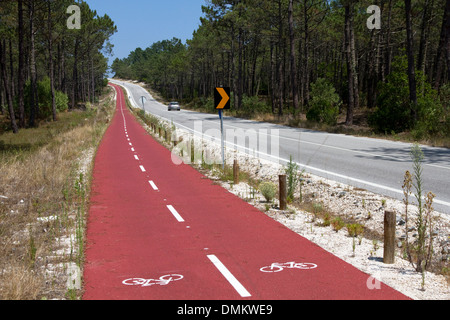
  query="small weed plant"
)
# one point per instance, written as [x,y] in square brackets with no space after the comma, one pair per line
[268,190]
[420,253]
[293,178]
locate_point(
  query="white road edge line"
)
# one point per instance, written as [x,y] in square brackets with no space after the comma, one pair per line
[229,276]
[175,213]
[153,185]
[142,168]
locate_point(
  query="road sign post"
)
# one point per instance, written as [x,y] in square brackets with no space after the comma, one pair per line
[223,139]
[222,102]
[143,99]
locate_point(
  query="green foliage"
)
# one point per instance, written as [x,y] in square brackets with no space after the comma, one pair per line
[45,98]
[293,178]
[394,110]
[324,103]
[268,190]
[355,229]
[160,65]
[421,252]
[253,105]
[337,224]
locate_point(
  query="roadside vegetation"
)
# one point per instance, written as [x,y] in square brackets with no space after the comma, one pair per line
[312,64]
[34,88]
[44,191]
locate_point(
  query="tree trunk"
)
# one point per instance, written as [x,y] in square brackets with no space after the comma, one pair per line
[447,36]
[349,55]
[34,106]
[388,50]
[280,61]
[11,67]
[7,86]
[292,56]
[20,71]
[272,77]
[354,62]
[2,110]
[411,66]
[50,59]
[62,66]
[92,80]
[424,35]
[306,57]
[443,49]
[371,78]
[240,81]
[75,77]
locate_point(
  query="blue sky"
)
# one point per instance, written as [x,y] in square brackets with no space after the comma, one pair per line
[140,23]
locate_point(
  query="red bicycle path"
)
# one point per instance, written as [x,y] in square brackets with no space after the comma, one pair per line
[132,233]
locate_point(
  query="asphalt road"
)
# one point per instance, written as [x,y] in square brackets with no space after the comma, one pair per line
[373,164]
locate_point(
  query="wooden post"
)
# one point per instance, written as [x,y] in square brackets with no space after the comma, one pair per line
[283,202]
[236,172]
[389,237]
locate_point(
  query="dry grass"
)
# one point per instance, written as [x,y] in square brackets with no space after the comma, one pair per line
[42,201]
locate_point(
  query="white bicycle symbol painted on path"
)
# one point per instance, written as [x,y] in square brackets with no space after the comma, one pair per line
[277,267]
[162,281]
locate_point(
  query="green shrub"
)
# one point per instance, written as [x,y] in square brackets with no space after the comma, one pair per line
[252,105]
[393,111]
[45,98]
[293,178]
[337,224]
[268,190]
[355,229]
[324,103]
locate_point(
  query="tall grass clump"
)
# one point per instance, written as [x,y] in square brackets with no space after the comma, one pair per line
[293,178]
[419,253]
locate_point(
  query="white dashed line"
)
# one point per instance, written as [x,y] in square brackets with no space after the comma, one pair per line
[136,157]
[175,213]
[142,168]
[229,276]
[153,185]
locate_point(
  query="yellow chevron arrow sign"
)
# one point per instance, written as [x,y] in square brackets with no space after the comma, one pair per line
[222,98]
